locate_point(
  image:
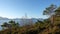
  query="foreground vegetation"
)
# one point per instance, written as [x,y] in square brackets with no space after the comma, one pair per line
[47,26]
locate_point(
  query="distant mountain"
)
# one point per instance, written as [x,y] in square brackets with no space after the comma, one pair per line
[19,20]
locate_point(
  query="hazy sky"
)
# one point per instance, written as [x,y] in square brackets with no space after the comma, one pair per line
[18,8]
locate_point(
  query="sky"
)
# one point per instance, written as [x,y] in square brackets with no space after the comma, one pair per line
[18,8]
